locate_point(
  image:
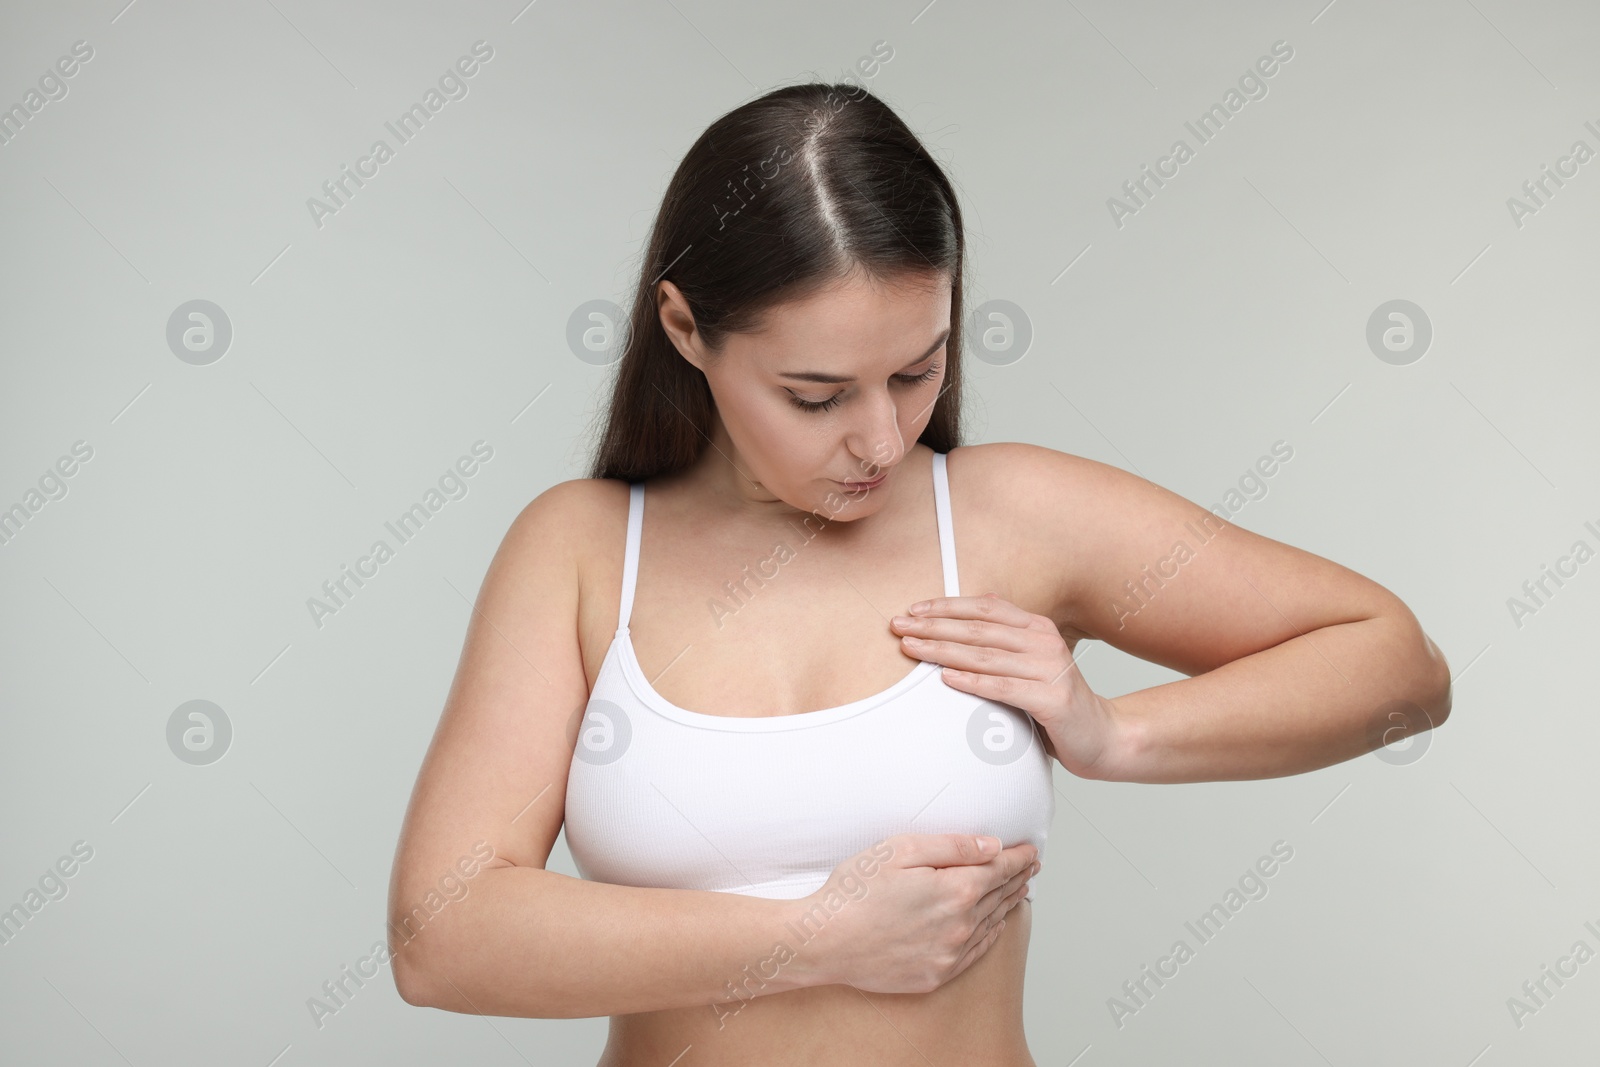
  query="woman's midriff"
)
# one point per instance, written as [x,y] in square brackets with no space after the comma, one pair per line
[974,1019]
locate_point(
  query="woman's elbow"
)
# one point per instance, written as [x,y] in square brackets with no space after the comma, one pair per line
[1439,693]
[411,979]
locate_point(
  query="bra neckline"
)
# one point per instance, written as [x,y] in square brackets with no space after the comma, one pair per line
[622,641]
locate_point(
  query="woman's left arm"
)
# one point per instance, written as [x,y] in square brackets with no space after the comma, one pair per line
[1295,662]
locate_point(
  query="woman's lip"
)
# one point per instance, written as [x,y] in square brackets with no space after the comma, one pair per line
[866,485]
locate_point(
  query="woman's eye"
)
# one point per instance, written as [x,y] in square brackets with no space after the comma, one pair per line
[833,401]
[814,405]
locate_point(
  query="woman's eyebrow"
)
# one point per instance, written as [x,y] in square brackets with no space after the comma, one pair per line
[834,379]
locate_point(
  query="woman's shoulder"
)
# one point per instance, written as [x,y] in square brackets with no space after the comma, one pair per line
[1001,471]
[1030,490]
[583,524]
[1029,512]
[572,519]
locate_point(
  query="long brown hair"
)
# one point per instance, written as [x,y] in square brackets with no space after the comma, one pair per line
[780,197]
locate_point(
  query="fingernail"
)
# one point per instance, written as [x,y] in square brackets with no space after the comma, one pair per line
[919,607]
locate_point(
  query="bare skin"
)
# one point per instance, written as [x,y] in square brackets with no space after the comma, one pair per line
[532,942]
[1292,658]
[819,631]
[770,464]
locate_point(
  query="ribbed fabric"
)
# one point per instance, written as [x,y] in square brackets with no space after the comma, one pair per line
[768,806]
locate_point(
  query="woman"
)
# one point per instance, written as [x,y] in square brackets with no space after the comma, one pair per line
[723,661]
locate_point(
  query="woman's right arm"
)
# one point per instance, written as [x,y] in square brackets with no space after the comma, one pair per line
[536,943]
[507,937]
[513,938]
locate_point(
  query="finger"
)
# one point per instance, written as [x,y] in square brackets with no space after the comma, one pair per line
[1016,862]
[997,900]
[1003,688]
[978,949]
[1023,881]
[940,850]
[1018,858]
[992,904]
[994,608]
[980,659]
[1026,871]
[1001,635]
[981,933]
[1002,877]
[1037,657]
[1009,901]
[1022,878]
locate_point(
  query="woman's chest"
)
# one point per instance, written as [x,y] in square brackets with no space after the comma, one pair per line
[661,796]
[741,629]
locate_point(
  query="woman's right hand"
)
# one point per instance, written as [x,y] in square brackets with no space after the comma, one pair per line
[918,909]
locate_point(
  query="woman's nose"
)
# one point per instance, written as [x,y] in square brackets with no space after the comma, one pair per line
[878,439]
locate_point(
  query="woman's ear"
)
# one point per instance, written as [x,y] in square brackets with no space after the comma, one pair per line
[678,322]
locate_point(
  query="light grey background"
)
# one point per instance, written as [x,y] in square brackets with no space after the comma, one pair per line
[431,311]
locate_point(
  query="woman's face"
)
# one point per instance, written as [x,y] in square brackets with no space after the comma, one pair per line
[881,347]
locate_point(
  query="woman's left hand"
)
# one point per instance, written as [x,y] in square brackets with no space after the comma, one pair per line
[993,649]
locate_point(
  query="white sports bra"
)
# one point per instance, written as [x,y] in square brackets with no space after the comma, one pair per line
[768,806]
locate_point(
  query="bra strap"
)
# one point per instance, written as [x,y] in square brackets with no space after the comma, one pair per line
[947,536]
[630,557]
